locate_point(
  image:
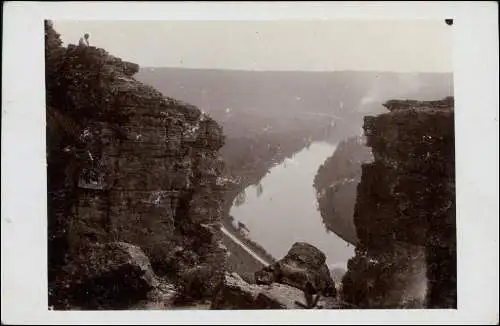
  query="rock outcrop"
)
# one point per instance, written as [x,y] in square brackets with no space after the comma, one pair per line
[336,183]
[301,280]
[127,164]
[302,267]
[237,294]
[405,210]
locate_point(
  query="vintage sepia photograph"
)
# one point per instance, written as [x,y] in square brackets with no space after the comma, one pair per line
[250,165]
[249,162]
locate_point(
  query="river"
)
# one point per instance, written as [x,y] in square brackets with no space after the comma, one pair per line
[283,209]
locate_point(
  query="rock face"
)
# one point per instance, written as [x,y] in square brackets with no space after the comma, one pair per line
[405,210]
[127,164]
[336,183]
[303,264]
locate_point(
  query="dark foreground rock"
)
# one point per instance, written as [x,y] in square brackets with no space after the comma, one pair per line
[405,210]
[112,275]
[235,293]
[303,267]
[197,283]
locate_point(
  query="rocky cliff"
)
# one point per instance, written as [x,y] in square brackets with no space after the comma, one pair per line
[405,210]
[126,166]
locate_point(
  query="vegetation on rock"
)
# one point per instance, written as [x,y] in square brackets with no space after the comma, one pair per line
[336,182]
[126,165]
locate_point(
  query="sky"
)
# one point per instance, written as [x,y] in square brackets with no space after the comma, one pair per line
[402,46]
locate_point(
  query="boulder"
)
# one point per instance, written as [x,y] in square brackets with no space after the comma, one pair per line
[279,296]
[111,276]
[197,282]
[235,293]
[160,298]
[303,264]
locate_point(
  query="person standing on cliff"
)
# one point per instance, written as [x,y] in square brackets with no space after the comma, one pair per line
[84,40]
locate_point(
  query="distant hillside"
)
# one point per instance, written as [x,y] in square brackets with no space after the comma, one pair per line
[336,183]
[267,116]
[245,100]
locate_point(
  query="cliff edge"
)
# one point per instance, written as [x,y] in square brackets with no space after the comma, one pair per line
[405,210]
[130,172]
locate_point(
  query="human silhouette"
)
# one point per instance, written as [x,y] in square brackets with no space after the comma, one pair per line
[84,40]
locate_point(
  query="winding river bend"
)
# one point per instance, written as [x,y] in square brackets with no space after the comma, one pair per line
[283,209]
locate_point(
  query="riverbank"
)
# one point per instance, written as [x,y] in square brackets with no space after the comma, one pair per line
[283,208]
[335,183]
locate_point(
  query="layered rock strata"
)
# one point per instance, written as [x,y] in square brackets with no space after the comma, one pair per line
[127,164]
[405,210]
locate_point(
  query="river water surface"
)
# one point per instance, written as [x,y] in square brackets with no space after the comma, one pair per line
[282,209]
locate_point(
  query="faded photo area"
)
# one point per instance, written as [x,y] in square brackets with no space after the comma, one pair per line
[250,165]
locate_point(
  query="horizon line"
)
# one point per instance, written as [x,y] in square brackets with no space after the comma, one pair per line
[302,71]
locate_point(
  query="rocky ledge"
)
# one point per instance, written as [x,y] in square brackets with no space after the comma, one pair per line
[134,193]
[405,210]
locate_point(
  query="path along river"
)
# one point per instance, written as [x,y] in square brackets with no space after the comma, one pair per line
[282,209]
